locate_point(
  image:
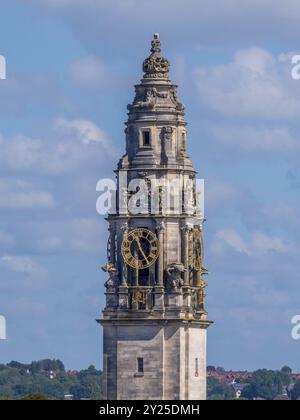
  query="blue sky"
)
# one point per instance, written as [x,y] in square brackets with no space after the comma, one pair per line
[71,67]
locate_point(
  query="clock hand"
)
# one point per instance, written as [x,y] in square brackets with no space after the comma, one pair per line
[141,249]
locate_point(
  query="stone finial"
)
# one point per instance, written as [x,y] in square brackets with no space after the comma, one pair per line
[156,66]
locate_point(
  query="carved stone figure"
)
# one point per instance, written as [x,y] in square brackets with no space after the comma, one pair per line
[150,99]
[175,100]
[112,283]
[123,301]
[167,133]
[174,280]
[167,137]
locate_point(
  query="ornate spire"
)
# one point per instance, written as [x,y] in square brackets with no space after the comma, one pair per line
[156,66]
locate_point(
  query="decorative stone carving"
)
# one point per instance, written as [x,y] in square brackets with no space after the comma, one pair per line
[174,280]
[139,296]
[156,66]
[113,281]
[175,100]
[149,99]
[167,137]
[124,227]
[160,226]
[167,133]
[123,301]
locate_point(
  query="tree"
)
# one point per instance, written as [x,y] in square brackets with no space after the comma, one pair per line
[79,391]
[286,375]
[286,370]
[35,396]
[14,364]
[218,391]
[16,382]
[250,392]
[47,365]
[265,384]
[296,391]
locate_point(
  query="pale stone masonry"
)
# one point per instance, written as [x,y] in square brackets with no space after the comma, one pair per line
[154,322]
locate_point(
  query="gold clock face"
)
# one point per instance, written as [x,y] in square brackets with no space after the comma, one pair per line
[140,248]
[198,250]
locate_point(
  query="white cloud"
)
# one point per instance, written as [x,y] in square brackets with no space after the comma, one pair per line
[18,194]
[286,57]
[89,71]
[59,3]
[29,309]
[250,139]
[21,272]
[270,215]
[73,144]
[85,131]
[6,238]
[219,194]
[80,235]
[260,293]
[206,22]
[255,85]
[263,243]
[38,90]
[209,8]
[279,211]
[257,245]
[20,151]
[21,264]
[230,238]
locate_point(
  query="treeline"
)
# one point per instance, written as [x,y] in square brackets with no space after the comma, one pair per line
[48,378]
[263,384]
[269,384]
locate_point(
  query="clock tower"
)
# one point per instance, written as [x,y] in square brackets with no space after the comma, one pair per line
[155,322]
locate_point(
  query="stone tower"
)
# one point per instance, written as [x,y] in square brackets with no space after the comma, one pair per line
[154,322]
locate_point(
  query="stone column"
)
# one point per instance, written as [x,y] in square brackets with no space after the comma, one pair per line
[136,271]
[123,289]
[187,296]
[161,229]
[186,233]
[112,231]
[124,229]
[159,287]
